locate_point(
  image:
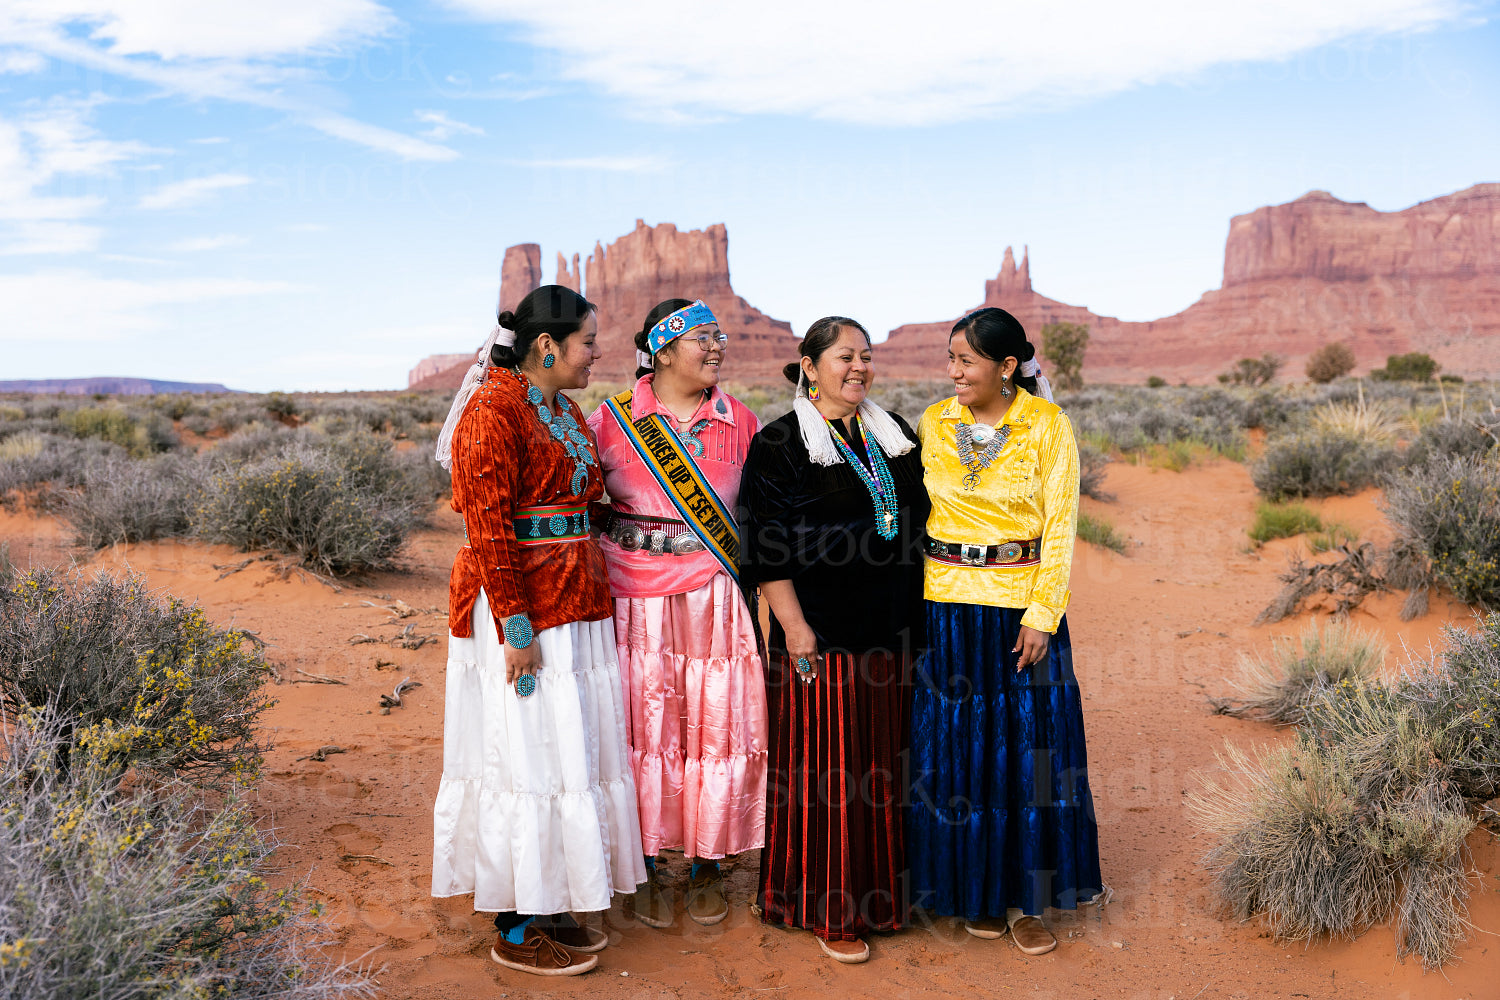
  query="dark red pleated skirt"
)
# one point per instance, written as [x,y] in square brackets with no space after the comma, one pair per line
[835,856]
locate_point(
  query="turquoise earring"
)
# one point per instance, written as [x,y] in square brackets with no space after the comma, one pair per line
[549,361]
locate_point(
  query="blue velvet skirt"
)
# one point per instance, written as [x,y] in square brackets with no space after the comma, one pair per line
[1000,814]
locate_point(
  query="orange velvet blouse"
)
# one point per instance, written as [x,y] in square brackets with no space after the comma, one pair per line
[504,458]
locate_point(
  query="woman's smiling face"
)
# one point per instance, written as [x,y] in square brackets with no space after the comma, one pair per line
[846,371]
[976,380]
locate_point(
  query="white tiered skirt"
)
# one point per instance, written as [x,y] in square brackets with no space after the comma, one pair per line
[536,812]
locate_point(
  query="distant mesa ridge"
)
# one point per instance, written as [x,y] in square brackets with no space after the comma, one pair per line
[1296,276]
[109,385]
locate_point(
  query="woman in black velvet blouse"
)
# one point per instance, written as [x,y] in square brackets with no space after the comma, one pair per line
[832,515]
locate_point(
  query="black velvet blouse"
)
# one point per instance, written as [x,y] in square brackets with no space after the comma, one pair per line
[815,525]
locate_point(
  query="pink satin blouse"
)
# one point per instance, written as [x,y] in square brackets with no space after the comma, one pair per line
[634,490]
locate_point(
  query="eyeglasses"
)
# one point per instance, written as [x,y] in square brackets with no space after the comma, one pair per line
[708,341]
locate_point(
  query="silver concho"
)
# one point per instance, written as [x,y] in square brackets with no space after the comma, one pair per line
[686,544]
[1010,552]
[658,542]
[629,537]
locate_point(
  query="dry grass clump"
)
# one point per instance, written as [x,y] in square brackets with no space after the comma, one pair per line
[1098,531]
[1299,672]
[1364,820]
[1373,420]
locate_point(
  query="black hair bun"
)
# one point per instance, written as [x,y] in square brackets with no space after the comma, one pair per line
[793,371]
[507,319]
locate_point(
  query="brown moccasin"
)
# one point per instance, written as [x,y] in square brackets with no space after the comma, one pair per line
[705,901]
[1032,936]
[847,952]
[539,955]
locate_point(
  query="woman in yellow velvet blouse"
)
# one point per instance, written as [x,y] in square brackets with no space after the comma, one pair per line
[1001,822]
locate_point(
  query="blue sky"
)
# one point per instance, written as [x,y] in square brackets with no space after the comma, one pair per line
[313,194]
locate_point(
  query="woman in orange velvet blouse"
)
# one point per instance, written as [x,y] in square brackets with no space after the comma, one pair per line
[536,814]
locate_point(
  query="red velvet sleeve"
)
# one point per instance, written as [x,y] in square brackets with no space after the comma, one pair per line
[488,454]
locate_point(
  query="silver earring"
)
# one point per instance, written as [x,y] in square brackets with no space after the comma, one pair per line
[1004,388]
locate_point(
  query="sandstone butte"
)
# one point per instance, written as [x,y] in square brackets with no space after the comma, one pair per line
[1296,276]
[625,280]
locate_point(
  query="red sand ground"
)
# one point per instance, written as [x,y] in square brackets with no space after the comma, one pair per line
[1154,634]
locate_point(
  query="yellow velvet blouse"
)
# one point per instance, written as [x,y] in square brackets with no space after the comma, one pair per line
[1029,491]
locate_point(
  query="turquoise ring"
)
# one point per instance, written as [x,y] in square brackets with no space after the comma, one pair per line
[526,685]
[803,665]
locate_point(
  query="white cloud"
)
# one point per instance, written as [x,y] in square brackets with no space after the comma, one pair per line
[621,164]
[210,140]
[193,191]
[50,237]
[71,306]
[443,126]
[215,50]
[897,63]
[212,29]
[199,243]
[47,143]
[21,62]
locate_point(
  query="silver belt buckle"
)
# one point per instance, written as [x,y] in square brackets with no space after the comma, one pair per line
[629,537]
[971,555]
[1010,552]
[657,542]
[686,544]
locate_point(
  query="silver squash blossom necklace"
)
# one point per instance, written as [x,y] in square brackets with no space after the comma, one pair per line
[968,436]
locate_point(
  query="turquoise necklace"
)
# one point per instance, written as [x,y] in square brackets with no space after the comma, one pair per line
[877,479]
[563,427]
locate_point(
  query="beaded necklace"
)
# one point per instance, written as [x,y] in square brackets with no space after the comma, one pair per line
[978,463]
[877,479]
[563,427]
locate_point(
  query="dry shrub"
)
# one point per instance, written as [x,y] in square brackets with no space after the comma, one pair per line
[1320,463]
[1448,510]
[338,504]
[124,500]
[1280,687]
[1365,819]
[147,682]
[1290,844]
[112,888]
[1349,579]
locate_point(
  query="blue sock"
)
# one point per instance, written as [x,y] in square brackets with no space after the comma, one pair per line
[700,865]
[517,934]
[650,863]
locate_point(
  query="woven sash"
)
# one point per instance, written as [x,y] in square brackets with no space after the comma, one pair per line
[682,481]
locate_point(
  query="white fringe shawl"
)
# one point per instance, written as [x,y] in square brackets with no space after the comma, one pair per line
[818,436]
[443,452]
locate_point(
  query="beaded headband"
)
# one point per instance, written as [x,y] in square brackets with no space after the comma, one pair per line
[676,324]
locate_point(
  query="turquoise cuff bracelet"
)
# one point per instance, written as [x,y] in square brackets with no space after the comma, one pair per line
[518,631]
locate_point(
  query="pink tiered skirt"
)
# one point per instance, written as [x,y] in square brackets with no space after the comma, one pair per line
[696,699]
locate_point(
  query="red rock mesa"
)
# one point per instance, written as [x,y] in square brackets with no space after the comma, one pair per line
[1296,276]
[634,273]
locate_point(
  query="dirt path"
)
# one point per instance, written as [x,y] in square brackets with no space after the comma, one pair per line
[1154,632]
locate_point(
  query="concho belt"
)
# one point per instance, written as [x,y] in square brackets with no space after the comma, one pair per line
[1005,554]
[655,536]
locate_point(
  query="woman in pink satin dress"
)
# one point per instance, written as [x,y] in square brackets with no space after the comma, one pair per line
[692,675]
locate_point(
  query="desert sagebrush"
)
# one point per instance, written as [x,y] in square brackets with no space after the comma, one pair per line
[146,681]
[116,889]
[1448,508]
